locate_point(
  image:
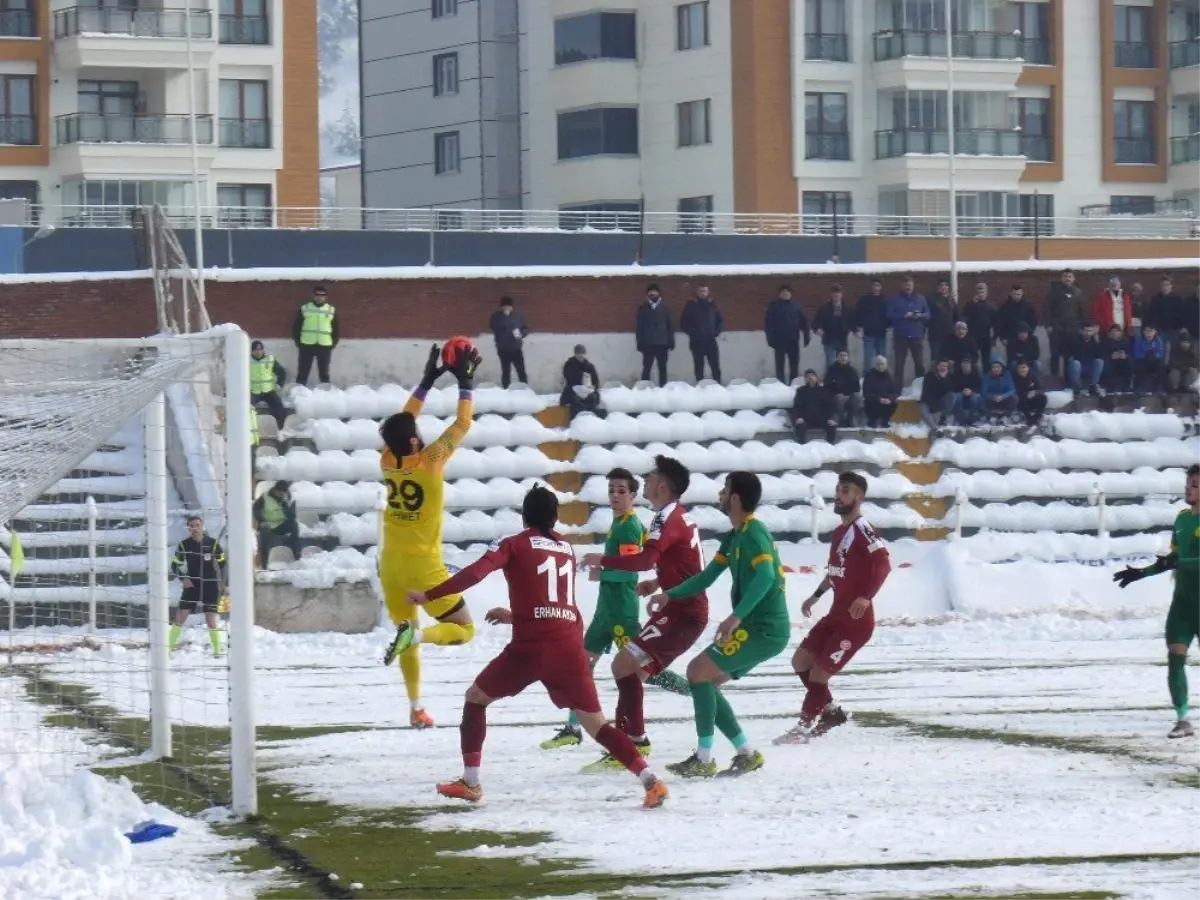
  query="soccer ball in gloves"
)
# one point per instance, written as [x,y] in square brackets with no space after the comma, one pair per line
[457,349]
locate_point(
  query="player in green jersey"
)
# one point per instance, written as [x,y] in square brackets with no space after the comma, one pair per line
[757,629]
[1183,618]
[616,618]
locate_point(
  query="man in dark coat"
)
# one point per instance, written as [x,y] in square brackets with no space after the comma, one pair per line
[655,334]
[942,315]
[509,330]
[582,391]
[784,323]
[812,407]
[961,345]
[879,394]
[1065,312]
[1012,312]
[978,313]
[842,382]
[833,323]
[1031,399]
[703,323]
[871,321]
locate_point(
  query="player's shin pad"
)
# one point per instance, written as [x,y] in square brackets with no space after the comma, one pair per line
[670,681]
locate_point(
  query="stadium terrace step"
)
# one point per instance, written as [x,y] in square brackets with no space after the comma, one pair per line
[554,417]
[560,451]
[907,412]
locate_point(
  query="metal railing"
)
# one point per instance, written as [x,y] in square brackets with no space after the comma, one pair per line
[94,128]
[1037,147]
[967,44]
[1185,53]
[109,20]
[254,134]
[20,130]
[828,47]
[1165,224]
[1133,151]
[826,146]
[1185,149]
[1133,54]
[1036,51]
[245,30]
[18,23]
[967,142]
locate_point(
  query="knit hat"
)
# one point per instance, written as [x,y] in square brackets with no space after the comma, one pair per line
[256,345]
[580,350]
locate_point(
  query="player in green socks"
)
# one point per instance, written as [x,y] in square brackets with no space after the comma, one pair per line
[757,630]
[1183,618]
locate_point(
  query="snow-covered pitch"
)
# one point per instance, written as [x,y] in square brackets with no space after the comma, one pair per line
[1010,715]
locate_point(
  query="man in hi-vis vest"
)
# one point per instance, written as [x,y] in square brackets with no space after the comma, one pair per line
[266,375]
[316,334]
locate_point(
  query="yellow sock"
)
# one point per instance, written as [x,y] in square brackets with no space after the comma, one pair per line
[410,668]
[447,634]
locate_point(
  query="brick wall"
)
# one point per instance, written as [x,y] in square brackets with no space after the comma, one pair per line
[420,308]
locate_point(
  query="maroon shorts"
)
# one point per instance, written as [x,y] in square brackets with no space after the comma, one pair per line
[565,675]
[834,640]
[666,637]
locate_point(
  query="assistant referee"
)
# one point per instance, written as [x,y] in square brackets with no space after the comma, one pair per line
[197,563]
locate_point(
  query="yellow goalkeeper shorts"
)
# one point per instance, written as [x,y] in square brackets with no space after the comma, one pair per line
[401,574]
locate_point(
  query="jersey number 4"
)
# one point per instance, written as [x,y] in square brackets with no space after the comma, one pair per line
[553,573]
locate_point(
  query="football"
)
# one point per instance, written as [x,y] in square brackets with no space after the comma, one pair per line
[455,348]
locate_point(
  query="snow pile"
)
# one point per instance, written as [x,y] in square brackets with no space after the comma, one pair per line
[1043,453]
[645,427]
[1105,426]
[755,456]
[992,485]
[488,430]
[323,570]
[62,830]
[1153,515]
[706,396]
[362,402]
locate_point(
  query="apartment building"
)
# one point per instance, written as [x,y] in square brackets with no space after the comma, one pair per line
[1066,107]
[97,106]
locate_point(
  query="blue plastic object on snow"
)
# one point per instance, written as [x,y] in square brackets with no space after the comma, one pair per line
[144,832]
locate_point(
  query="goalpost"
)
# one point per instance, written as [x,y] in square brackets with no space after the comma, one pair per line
[106,448]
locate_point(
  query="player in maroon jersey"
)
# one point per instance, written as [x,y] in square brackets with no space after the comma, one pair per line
[546,645]
[672,549]
[858,566]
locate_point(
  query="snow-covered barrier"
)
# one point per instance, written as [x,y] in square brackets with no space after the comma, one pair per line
[1043,453]
[755,456]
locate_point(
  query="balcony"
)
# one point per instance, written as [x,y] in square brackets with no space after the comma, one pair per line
[18,130]
[967,142]
[1133,54]
[245,30]
[100,36]
[247,134]
[1133,151]
[1036,51]
[827,47]
[1037,147]
[826,146]
[1185,53]
[1185,149]
[967,45]
[92,128]
[18,23]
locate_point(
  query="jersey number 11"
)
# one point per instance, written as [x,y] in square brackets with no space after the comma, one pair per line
[553,572]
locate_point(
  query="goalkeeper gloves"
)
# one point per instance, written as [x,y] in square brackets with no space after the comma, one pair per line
[464,369]
[1129,575]
[433,368]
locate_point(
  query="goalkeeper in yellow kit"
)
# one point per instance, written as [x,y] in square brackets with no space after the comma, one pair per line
[411,556]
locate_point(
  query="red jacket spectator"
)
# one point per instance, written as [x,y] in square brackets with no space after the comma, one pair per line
[1112,307]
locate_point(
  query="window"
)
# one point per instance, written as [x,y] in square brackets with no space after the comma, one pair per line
[819,209]
[1133,131]
[695,214]
[602,130]
[19,190]
[244,205]
[693,118]
[108,98]
[446,159]
[825,30]
[17,122]
[1031,115]
[618,215]
[445,74]
[1132,32]
[244,22]
[245,121]
[1035,212]
[691,26]
[108,201]
[600,35]
[443,8]
[825,127]
[16,18]
[1131,205]
[1033,21]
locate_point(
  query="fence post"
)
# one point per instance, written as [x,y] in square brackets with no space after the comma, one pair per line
[960,504]
[91,527]
[1097,499]
[381,505]
[816,505]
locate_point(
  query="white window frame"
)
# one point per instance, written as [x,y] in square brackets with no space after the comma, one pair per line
[685,13]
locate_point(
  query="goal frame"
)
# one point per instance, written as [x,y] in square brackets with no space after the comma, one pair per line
[240,544]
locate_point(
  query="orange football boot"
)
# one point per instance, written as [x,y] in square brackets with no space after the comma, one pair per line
[656,795]
[419,718]
[460,790]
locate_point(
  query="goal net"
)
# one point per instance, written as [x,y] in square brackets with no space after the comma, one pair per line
[108,448]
